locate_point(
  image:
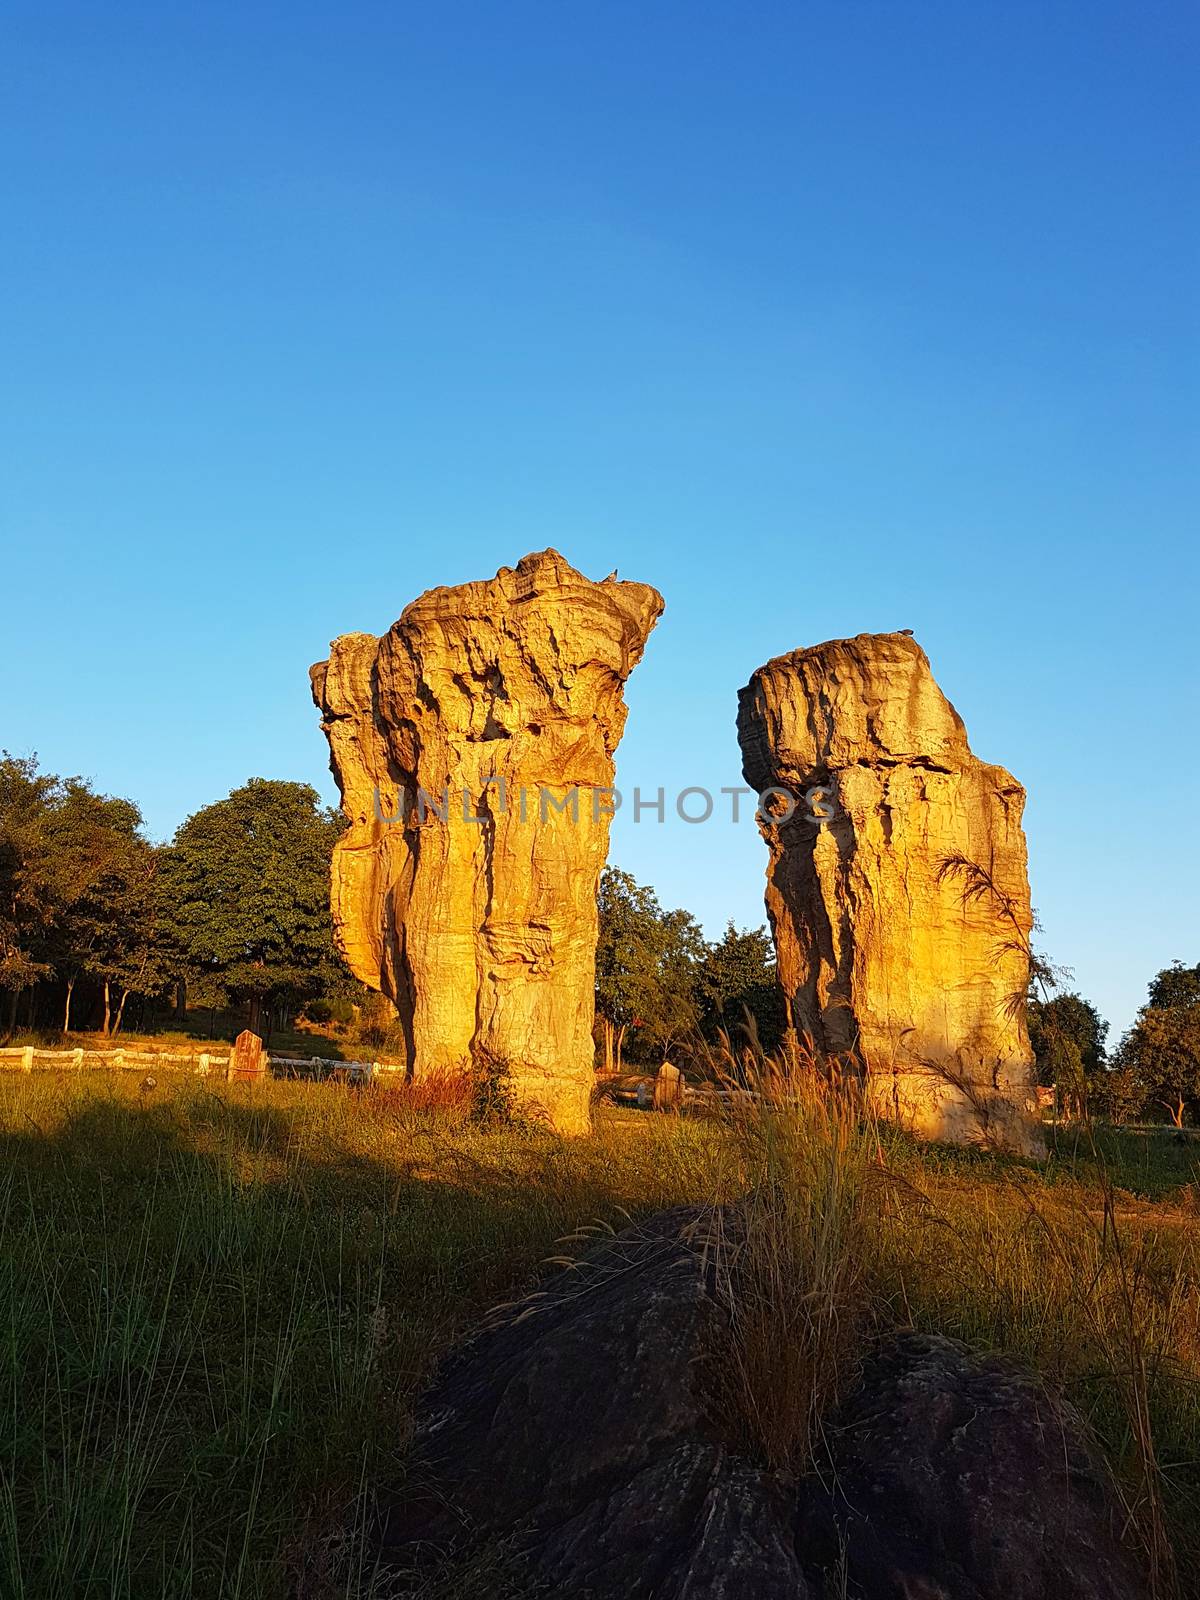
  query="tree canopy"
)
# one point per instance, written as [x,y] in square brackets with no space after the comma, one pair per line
[237,905]
[1067,1034]
[645,963]
[1162,1049]
[247,885]
[77,878]
[1175,987]
[737,976]
[30,893]
[658,981]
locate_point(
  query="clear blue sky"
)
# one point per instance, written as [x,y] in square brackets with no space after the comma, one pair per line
[822,317]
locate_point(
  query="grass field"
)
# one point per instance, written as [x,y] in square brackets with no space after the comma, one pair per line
[219,1301]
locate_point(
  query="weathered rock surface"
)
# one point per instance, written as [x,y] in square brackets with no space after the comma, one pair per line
[578,1432]
[477,916]
[880,952]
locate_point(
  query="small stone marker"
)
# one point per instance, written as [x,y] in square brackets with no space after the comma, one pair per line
[248,1059]
[668,1088]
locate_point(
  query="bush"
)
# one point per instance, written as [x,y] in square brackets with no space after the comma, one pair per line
[1117,1095]
[378,1027]
[321,1010]
[493,1102]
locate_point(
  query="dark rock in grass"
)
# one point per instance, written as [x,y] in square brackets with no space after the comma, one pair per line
[959,1476]
[575,1430]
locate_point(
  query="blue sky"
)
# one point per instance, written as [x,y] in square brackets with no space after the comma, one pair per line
[822,318]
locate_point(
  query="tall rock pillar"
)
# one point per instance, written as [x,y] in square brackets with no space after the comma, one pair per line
[473,746]
[892,945]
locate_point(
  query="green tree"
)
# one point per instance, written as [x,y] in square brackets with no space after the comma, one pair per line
[676,1009]
[73,865]
[1067,1034]
[1163,1047]
[1175,986]
[736,976]
[245,896]
[132,954]
[647,964]
[100,864]
[1116,1094]
[28,900]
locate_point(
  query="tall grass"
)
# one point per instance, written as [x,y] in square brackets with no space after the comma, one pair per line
[217,1304]
[793,1257]
[848,1231]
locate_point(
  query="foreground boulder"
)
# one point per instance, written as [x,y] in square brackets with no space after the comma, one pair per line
[473,747]
[886,949]
[576,1436]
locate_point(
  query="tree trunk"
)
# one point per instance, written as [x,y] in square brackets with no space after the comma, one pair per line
[181,1000]
[14,996]
[620,1042]
[255,1023]
[107,1007]
[120,1010]
[606,1043]
[67,1008]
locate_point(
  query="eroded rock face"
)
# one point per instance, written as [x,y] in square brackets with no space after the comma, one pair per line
[882,951]
[577,1436]
[477,915]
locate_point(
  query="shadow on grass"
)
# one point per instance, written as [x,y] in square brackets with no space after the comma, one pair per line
[219,1307]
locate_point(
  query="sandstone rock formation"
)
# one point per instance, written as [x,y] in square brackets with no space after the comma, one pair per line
[473,747]
[577,1436]
[885,948]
